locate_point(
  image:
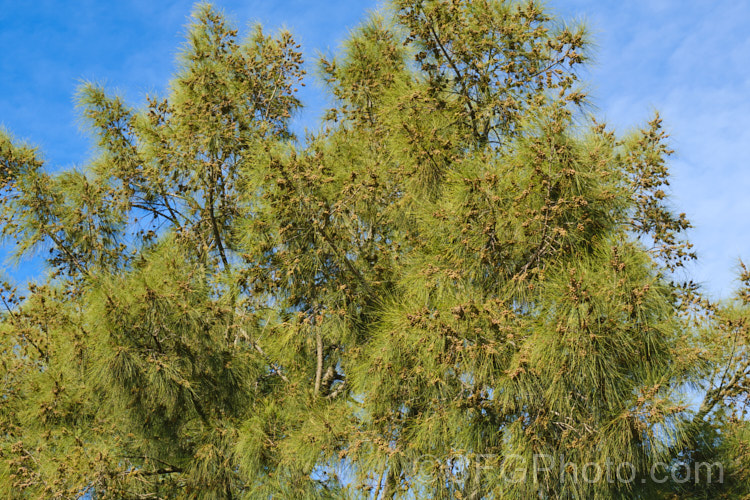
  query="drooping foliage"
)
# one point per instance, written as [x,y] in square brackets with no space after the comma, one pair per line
[461,286]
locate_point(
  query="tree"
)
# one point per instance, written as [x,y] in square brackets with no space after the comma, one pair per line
[462,274]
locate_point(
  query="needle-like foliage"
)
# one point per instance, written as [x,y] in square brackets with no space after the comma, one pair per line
[462,286]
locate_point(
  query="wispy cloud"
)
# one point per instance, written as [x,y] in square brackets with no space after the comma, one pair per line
[691,61]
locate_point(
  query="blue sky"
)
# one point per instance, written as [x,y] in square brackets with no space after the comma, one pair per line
[689,59]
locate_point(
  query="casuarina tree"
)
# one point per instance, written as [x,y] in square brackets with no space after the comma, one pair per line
[462,285]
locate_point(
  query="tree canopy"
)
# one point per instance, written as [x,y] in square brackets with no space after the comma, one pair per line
[460,275]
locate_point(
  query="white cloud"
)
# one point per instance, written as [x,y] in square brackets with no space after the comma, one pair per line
[691,61]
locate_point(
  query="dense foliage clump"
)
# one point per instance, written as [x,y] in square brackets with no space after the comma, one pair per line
[461,274]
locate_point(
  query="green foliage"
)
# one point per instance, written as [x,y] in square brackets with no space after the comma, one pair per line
[461,269]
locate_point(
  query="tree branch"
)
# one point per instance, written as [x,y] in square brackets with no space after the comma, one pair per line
[319,367]
[459,76]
